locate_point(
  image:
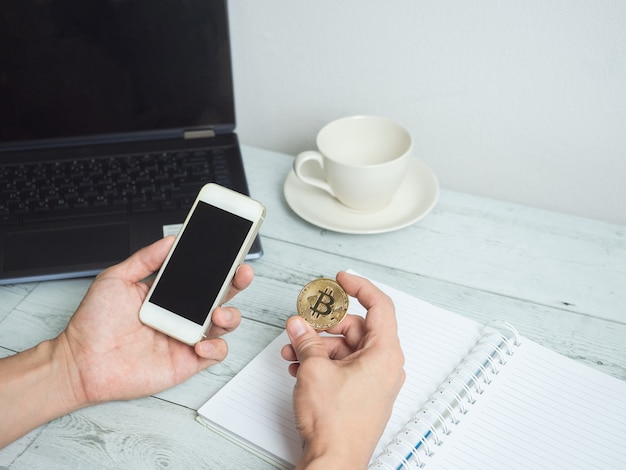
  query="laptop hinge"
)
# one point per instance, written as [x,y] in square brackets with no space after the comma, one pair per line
[199,134]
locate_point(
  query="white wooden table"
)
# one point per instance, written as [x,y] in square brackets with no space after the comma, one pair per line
[561,280]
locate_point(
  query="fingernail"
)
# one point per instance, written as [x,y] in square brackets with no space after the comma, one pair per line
[296,327]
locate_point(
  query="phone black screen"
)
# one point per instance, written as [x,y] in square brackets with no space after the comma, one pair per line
[200,263]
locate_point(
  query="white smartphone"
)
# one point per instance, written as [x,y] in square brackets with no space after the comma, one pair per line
[196,275]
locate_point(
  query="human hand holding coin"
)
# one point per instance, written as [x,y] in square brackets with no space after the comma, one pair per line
[347,381]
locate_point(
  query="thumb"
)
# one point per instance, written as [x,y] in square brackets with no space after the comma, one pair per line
[304,339]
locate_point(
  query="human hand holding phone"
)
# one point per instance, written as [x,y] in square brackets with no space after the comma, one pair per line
[105,352]
[117,357]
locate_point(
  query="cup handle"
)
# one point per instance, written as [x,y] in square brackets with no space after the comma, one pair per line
[299,170]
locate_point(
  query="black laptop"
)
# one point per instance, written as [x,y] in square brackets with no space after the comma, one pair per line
[113,113]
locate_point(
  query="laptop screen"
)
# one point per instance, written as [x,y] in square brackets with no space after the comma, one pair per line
[101,68]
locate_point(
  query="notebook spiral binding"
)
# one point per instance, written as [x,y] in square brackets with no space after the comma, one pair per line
[417,442]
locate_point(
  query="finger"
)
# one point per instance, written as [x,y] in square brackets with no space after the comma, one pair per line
[293,369]
[304,339]
[214,350]
[242,279]
[352,328]
[224,320]
[142,263]
[380,309]
[288,353]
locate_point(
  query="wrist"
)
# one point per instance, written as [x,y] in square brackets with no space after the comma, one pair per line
[67,378]
[38,385]
[332,453]
[316,457]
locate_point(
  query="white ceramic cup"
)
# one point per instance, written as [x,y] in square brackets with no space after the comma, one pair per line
[363,161]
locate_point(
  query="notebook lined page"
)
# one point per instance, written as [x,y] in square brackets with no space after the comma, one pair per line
[256,405]
[545,411]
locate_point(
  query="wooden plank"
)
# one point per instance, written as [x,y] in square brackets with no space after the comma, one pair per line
[10,297]
[139,434]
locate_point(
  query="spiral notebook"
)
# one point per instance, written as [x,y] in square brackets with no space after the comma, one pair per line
[475,397]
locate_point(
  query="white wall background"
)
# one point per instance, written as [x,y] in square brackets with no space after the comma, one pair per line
[523,101]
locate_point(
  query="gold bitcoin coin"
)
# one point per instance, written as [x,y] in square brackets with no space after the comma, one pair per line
[323,303]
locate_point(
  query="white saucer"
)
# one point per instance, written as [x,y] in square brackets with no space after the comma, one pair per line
[415,199]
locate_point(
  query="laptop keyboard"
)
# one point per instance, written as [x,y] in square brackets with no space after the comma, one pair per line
[107,185]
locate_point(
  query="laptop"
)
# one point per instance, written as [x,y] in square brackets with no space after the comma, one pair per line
[113,114]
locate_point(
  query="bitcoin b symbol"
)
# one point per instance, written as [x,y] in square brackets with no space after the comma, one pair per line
[324,303]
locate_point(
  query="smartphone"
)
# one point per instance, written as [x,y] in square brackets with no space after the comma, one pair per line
[196,275]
